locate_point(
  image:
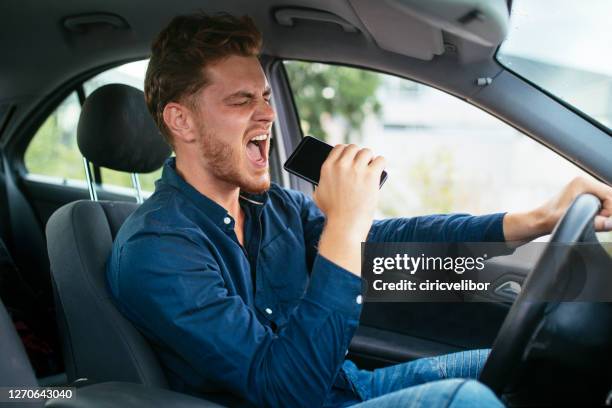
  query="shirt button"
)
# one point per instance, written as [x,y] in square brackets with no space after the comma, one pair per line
[359,299]
[268,310]
[227,220]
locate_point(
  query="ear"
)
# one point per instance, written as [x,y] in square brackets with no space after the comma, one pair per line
[179,120]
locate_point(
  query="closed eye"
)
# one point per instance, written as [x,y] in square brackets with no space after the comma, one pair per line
[242,98]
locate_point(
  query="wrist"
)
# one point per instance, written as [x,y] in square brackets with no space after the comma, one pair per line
[525,226]
[347,230]
[542,220]
[342,246]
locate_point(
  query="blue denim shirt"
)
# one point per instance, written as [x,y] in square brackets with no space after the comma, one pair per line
[271,321]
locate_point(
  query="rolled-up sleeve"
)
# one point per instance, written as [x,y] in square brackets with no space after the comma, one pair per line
[440,228]
[171,287]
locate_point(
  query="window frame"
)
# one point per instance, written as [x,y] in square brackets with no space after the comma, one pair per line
[557,99]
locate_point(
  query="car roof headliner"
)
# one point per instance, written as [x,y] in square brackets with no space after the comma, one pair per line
[39,53]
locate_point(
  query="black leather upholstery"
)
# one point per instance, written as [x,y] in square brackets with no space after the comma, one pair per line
[99,343]
[116,131]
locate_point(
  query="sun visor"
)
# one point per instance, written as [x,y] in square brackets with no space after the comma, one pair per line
[416,27]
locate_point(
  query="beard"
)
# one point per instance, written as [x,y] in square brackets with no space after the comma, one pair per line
[226,163]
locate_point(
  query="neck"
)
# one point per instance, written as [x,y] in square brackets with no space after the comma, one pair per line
[221,192]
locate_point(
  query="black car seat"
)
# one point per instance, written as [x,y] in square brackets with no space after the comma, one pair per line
[115,131]
[16,373]
[25,282]
[15,368]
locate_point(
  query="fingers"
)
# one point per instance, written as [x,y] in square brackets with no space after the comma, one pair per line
[602,190]
[604,193]
[363,157]
[580,185]
[335,152]
[348,155]
[606,208]
[603,224]
[378,165]
[352,155]
[588,185]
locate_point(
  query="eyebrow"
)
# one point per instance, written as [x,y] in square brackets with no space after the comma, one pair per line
[247,94]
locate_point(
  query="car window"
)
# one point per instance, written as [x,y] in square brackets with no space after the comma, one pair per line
[443,155]
[53,154]
[564,49]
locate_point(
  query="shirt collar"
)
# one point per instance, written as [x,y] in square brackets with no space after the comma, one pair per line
[212,210]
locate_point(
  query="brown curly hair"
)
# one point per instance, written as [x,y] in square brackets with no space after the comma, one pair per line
[184,48]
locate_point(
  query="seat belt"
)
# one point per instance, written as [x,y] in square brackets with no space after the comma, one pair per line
[29,248]
[13,290]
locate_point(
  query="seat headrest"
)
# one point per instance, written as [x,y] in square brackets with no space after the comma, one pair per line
[116,131]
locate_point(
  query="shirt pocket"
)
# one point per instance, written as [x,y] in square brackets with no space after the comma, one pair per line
[283,267]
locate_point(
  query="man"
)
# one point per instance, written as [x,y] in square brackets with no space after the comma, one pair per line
[250,288]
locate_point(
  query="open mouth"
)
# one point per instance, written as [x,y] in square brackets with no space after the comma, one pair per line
[257,150]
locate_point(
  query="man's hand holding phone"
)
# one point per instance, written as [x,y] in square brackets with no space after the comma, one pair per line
[348,194]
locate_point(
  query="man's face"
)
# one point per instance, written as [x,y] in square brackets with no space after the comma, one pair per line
[233,118]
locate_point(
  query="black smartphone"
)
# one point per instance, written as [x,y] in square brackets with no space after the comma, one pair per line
[308,157]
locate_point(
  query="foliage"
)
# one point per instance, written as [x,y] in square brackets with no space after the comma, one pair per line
[342,92]
[51,154]
[432,178]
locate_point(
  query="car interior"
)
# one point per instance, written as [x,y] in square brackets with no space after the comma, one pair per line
[58,324]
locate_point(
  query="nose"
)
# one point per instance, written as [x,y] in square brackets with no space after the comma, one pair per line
[264,112]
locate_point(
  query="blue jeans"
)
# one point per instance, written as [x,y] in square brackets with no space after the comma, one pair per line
[441,381]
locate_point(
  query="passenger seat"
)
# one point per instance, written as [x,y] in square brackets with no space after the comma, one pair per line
[115,131]
[16,372]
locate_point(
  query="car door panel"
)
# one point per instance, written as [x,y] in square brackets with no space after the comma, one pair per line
[372,347]
[48,197]
[396,332]
[392,332]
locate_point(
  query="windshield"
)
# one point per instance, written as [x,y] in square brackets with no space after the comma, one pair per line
[564,47]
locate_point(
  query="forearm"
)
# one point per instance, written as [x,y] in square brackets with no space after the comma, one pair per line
[525,226]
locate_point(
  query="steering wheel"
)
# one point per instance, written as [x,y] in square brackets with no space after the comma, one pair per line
[530,308]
